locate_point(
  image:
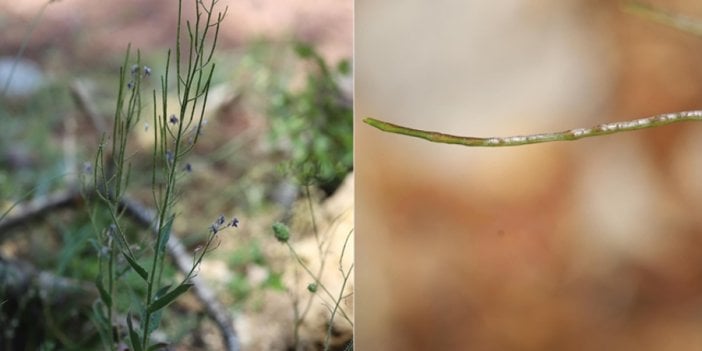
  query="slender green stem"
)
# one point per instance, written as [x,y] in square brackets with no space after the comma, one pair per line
[315,277]
[110,281]
[193,80]
[310,206]
[193,85]
[340,297]
[566,135]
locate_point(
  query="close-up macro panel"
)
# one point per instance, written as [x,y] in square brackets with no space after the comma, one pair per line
[176,175]
[472,236]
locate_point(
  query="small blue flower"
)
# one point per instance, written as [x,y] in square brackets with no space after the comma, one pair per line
[147,71]
[219,224]
[173,119]
[220,220]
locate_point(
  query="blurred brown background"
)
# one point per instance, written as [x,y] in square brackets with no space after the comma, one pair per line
[95,31]
[587,245]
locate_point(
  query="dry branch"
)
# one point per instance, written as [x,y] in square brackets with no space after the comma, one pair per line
[144,216]
[19,277]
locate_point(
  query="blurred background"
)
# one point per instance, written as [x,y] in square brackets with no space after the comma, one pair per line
[280,100]
[583,245]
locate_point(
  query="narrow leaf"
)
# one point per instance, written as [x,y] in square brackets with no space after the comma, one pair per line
[137,268]
[100,316]
[168,298]
[154,321]
[166,233]
[104,327]
[133,334]
[162,291]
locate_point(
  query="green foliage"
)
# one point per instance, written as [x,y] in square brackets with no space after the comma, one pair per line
[274,281]
[239,287]
[249,253]
[314,125]
[26,128]
[175,134]
[169,297]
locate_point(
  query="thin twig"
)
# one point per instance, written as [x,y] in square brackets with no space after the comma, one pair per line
[86,104]
[566,135]
[19,277]
[25,213]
